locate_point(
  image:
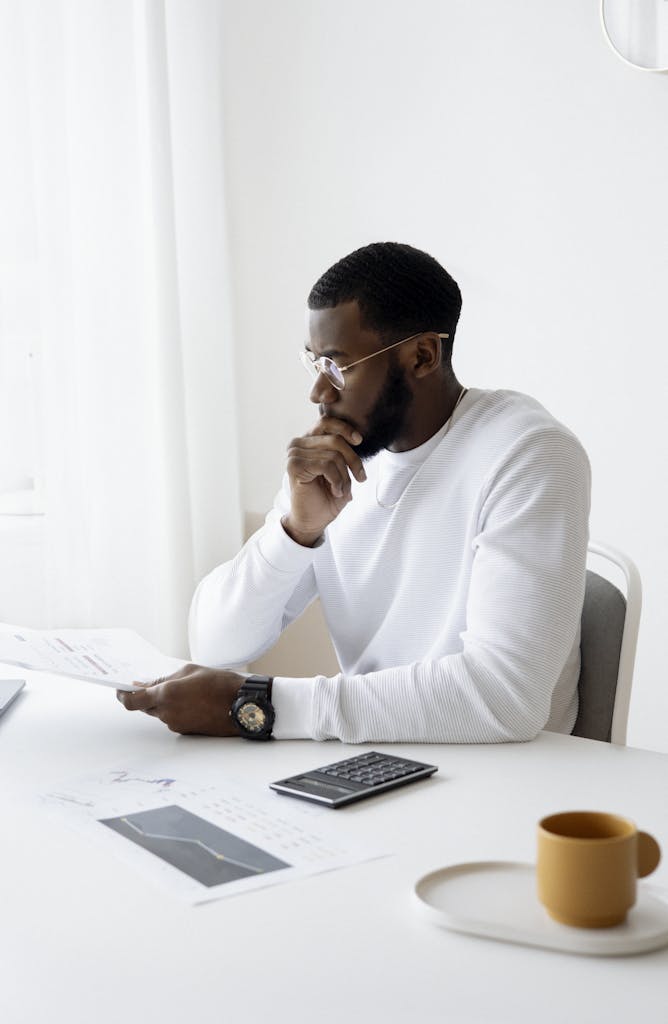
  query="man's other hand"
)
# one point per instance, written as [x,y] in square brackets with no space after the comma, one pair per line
[194,700]
[319,468]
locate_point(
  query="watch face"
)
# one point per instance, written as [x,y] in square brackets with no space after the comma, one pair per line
[251,717]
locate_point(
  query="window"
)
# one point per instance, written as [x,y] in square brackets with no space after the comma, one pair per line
[19,279]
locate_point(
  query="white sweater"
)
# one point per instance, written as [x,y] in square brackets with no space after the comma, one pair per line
[455,615]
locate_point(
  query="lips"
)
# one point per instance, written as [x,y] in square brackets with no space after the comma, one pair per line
[344,419]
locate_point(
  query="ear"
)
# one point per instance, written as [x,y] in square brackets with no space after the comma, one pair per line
[428,355]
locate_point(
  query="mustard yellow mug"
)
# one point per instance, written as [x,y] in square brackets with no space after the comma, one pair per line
[587,867]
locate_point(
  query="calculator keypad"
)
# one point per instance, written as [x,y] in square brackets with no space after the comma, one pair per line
[371,769]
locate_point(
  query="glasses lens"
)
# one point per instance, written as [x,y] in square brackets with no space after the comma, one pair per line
[332,373]
[323,365]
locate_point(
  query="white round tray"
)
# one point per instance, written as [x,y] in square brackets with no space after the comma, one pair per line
[498,900]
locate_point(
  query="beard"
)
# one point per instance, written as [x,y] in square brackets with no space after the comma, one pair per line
[387,419]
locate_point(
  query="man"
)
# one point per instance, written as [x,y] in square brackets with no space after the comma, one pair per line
[444,530]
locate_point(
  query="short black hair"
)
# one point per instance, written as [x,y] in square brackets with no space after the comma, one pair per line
[399,290]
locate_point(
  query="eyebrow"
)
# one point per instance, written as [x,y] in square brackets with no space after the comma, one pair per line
[329,352]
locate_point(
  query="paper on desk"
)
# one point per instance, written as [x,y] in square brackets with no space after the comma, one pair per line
[113,657]
[200,841]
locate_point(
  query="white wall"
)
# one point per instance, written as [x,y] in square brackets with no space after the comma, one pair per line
[508,141]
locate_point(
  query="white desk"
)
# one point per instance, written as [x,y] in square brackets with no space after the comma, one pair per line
[84,939]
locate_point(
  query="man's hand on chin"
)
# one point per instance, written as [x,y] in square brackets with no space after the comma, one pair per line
[194,700]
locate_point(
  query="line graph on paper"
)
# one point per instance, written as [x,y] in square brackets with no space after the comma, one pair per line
[125,776]
[205,852]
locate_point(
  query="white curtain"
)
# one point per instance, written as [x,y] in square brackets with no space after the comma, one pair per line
[135,381]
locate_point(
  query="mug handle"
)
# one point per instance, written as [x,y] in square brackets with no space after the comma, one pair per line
[649,854]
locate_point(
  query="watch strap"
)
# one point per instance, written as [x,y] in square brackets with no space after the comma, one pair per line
[259,686]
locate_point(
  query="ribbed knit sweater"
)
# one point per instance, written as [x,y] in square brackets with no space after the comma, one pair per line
[454,613]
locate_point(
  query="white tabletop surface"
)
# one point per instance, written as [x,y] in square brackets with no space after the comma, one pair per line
[84,938]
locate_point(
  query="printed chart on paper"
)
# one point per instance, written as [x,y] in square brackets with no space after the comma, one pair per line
[202,842]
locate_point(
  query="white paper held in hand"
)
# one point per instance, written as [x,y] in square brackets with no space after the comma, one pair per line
[112,657]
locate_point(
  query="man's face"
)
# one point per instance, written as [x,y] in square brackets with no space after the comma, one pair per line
[377,398]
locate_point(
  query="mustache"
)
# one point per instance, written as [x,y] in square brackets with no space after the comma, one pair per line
[330,416]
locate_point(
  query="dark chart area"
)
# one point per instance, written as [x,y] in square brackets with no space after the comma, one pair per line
[195,846]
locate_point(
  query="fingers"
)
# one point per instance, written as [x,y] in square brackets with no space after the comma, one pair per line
[327,455]
[145,699]
[305,466]
[333,425]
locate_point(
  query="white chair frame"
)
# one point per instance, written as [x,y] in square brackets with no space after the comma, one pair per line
[627,653]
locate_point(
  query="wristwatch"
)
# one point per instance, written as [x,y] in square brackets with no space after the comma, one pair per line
[252,711]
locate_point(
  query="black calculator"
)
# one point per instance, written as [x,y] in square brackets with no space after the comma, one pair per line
[356,778]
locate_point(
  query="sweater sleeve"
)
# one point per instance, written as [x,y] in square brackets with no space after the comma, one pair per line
[522,621]
[240,609]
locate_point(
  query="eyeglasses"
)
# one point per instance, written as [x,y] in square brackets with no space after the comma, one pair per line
[334,373]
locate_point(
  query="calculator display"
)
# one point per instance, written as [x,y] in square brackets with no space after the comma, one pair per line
[313,785]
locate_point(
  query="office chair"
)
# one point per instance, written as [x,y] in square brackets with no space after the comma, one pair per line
[609,634]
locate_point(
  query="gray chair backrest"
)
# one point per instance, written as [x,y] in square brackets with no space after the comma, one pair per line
[603,617]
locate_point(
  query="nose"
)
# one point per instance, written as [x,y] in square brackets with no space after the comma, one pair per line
[323,391]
